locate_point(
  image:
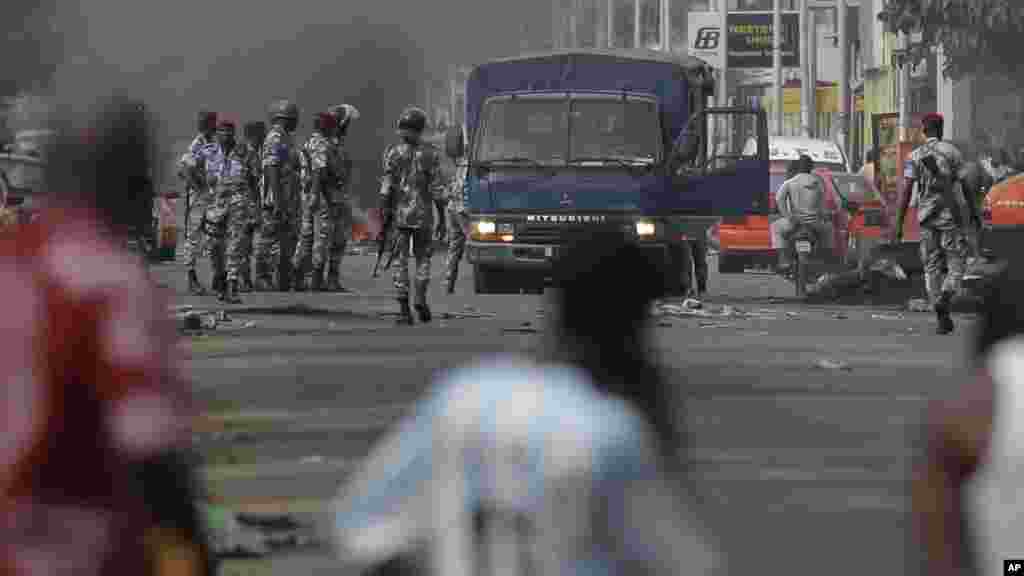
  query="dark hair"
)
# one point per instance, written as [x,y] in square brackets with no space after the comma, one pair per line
[804,164]
[933,126]
[206,120]
[605,286]
[1002,309]
[108,166]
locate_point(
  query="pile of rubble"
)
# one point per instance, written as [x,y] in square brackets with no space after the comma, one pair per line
[255,535]
[190,319]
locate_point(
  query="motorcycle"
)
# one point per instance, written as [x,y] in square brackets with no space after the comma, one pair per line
[804,243]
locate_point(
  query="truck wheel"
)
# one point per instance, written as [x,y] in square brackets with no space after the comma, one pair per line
[729,264]
[484,281]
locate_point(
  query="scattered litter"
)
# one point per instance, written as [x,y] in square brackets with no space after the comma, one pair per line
[715,324]
[692,304]
[193,321]
[827,364]
[313,460]
[840,316]
[520,330]
[887,316]
[889,269]
[461,315]
[792,314]
[918,305]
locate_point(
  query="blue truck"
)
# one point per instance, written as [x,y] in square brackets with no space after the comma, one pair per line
[570,139]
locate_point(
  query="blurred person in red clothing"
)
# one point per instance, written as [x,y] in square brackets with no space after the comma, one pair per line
[94,470]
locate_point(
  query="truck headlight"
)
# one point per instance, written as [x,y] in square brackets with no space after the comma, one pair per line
[644,228]
[485,227]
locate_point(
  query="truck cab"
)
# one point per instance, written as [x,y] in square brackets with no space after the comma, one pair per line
[562,141]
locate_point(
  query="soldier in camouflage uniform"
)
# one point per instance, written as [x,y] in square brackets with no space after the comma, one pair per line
[255,132]
[279,198]
[935,167]
[231,210]
[318,161]
[339,210]
[191,169]
[458,223]
[410,190]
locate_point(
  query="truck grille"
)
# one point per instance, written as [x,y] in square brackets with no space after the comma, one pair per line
[544,233]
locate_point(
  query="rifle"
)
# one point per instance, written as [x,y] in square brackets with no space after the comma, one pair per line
[382,238]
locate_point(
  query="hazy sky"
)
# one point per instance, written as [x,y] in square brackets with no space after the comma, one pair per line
[236,56]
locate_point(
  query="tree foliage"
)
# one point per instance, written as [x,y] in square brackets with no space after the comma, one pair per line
[977,36]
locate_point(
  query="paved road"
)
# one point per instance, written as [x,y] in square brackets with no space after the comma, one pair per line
[804,465]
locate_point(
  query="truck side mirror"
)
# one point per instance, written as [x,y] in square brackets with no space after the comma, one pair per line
[454,142]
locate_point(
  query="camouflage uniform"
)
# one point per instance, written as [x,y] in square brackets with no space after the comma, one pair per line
[274,237]
[337,228]
[318,154]
[458,224]
[253,166]
[199,151]
[943,239]
[414,172]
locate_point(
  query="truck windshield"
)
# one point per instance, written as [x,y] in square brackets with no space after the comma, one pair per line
[524,128]
[590,128]
[614,128]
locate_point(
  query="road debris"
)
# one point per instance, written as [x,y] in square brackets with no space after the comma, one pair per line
[841,316]
[464,315]
[887,316]
[192,320]
[828,364]
[707,324]
[918,305]
[692,304]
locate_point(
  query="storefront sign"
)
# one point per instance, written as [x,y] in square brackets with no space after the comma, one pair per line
[749,42]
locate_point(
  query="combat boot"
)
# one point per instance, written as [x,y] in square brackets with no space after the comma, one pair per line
[943,315]
[194,286]
[421,302]
[404,313]
[451,284]
[316,282]
[219,283]
[298,282]
[333,280]
[246,284]
[231,293]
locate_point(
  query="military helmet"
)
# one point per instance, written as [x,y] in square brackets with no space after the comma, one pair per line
[284,109]
[344,113]
[412,120]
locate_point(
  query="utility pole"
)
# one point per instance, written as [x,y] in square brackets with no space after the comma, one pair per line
[666,25]
[638,36]
[777,63]
[844,78]
[610,5]
[806,83]
[903,86]
[812,62]
[723,79]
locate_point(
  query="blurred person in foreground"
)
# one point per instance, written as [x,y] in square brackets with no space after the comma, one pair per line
[94,472]
[566,464]
[968,492]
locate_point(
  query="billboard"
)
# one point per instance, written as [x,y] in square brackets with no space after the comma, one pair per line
[750,36]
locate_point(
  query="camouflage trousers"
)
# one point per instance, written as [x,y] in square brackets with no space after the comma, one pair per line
[458,224]
[333,244]
[311,222]
[944,254]
[274,238]
[420,242]
[200,203]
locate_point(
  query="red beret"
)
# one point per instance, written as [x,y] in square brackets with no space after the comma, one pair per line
[932,117]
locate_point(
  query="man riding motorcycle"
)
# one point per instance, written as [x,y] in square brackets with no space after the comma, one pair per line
[800,201]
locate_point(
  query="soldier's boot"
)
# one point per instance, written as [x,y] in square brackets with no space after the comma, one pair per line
[404,313]
[231,292]
[421,302]
[450,282]
[246,284]
[219,283]
[194,286]
[943,315]
[316,279]
[298,280]
[334,279]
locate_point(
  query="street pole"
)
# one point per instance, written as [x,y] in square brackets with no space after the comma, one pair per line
[723,79]
[806,84]
[812,63]
[903,84]
[844,79]
[637,26]
[777,63]
[611,23]
[666,25]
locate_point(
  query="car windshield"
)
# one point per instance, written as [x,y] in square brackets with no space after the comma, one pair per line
[589,128]
[614,128]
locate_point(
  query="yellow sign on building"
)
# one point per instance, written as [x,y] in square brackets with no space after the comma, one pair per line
[827,100]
